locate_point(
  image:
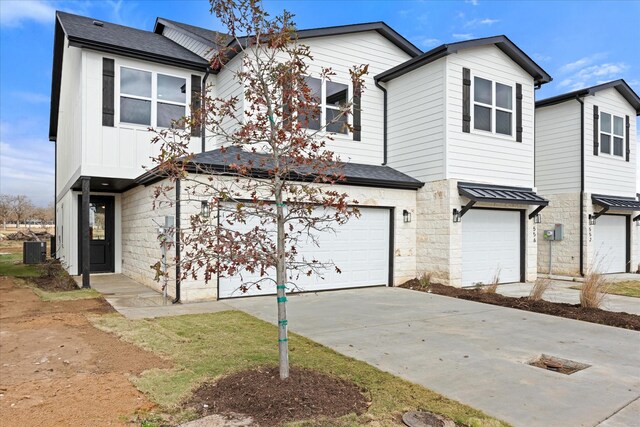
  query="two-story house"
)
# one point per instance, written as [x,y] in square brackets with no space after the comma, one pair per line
[442,164]
[461,119]
[586,166]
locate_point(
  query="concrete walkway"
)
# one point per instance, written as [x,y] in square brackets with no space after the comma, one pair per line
[476,353]
[560,291]
[136,301]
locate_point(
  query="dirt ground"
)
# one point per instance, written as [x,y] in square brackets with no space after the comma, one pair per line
[57,369]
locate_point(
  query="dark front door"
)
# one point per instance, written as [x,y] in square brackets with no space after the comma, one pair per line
[101,233]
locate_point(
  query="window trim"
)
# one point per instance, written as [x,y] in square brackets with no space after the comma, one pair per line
[324,106]
[154,95]
[611,136]
[494,107]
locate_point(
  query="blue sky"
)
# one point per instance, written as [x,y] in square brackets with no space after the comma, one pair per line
[579,43]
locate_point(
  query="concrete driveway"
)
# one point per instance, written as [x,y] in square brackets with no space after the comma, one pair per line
[476,353]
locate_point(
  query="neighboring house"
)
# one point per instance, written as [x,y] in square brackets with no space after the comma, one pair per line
[586,148]
[461,119]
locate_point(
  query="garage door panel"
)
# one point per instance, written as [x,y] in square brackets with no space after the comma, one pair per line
[610,240]
[490,246]
[359,248]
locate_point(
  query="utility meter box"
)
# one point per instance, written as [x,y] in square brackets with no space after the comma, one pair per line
[558,233]
[548,234]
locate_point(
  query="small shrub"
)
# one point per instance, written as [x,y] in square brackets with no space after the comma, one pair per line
[425,280]
[493,287]
[593,290]
[539,288]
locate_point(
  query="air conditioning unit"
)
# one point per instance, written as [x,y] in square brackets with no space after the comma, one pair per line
[34,252]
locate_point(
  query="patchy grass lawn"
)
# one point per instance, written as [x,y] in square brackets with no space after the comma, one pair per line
[66,295]
[11,265]
[207,346]
[629,288]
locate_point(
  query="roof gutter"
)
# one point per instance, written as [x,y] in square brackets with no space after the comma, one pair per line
[138,54]
[384,122]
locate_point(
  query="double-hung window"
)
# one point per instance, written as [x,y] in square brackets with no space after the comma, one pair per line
[330,97]
[152,99]
[611,134]
[492,106]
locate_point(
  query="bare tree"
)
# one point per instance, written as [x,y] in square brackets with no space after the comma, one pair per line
[278,187]
[5,209]
[21,208]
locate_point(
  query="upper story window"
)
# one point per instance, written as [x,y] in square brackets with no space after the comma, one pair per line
[152,99]
[330,96]
[492,106]
[611,134]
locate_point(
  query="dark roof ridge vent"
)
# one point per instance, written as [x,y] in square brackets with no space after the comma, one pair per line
[98,23]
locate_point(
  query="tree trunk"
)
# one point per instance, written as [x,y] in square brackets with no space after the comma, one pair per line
[281,280]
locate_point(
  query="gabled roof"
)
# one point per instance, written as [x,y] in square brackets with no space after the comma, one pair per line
[501,42]
[218,161]
[113,38]
[89,33]
[209,37]
[620,85]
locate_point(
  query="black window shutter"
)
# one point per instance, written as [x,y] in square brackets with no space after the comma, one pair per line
[626,137]
[466,100]
[196,103]
[596,126]
[357,117]
[518,112]
[108,89]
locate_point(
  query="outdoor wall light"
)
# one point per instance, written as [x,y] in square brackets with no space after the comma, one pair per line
[456,216]
[592,220]
[204,209]
[537,219]
[406,215]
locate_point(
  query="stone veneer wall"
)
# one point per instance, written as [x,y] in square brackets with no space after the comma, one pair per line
[439,239]
[563,209]
[140,246]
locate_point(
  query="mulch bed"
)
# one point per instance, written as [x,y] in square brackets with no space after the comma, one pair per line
[260,394]
[569,311]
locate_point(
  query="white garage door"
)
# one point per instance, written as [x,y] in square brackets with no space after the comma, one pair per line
[610,244]
[359,248]
[490,246]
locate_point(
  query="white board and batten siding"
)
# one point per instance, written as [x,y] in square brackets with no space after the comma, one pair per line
[121,151]
[360,249]
[607,174]
[416,122]
[70,116]
[558,148]
[478,156]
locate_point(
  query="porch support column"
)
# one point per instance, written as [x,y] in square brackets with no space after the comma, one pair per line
[86,249]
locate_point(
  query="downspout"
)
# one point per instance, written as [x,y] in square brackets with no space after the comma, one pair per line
[579,99]
[203,96]
[54,254]
[177,241]
[384,123]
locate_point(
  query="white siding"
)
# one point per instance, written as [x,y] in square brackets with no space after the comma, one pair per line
[416,124]
[341,53]
[121,151]
[185,41]
[605,174]
[225,86]
[70,116]
[480,157]
[558,148]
